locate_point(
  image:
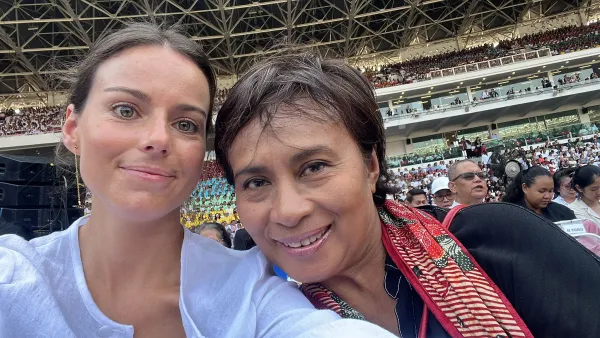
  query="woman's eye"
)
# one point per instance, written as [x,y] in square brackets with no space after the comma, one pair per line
[313,168]
[254,184]
[126,112]
[187,126]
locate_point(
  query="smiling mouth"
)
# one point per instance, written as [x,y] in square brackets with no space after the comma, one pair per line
[307,241]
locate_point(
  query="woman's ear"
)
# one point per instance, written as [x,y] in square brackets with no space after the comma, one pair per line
[70,130]
[373,170]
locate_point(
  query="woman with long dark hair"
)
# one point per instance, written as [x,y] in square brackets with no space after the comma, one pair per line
[533,188]
[586,181]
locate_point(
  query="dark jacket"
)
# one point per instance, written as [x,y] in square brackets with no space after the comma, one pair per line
[554,212]
[549,278]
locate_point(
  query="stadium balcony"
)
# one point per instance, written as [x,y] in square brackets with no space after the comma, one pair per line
[552,42]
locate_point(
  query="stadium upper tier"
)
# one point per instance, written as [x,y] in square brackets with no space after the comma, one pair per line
[553,42]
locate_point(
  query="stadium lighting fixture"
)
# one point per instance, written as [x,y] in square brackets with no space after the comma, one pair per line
[544,67]
[17,111]
[483,79]
[429,92]
[562,66]
[539,71]
[425,97]
[567,62]
[513,73]
[431,88]
[461,83]
[510,77]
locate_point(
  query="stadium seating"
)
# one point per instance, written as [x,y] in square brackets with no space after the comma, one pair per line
[30,120]
[559,41]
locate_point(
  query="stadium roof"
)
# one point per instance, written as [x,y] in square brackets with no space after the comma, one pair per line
[38,37]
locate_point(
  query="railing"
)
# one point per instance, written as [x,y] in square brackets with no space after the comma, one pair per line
[484,65]
[579,130]
[444,108]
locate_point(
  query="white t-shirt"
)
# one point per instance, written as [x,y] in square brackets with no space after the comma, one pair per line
[224,293]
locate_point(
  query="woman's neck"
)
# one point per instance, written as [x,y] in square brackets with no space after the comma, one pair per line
[537,210]
[590,203]
[570,199]
[362,284]
[120,252]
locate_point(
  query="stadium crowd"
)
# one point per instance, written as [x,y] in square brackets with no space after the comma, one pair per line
[30,120]
[559,41]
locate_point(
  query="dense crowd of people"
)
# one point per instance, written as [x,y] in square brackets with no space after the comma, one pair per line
[34,120]
[30,120]
[559,41]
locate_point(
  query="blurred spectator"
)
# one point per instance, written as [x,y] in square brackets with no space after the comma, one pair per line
[416,198]
[214,231]
[442,195]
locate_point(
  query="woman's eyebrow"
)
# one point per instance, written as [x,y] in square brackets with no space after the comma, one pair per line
[133,92]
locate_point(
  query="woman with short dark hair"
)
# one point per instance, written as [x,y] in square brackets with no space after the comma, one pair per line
[303,142]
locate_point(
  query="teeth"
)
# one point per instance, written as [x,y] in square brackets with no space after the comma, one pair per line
[307,241]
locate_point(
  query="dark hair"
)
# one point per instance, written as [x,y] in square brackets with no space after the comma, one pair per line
[342,93]
[514,192]
[220,229]
[134,35]
[414,192]
[584,176]
[559,176]
[242,240]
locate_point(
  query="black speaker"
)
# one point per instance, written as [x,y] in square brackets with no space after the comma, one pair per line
[584,110]
[30,169]
[40,219]
[494,126]
[15,195]
[408,141]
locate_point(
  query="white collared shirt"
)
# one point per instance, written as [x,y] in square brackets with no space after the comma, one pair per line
[224,293]
[561,200]
[582,211]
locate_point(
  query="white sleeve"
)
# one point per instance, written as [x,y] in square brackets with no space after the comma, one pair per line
[283,311]
[26,301]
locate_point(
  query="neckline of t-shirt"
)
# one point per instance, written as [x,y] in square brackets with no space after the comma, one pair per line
[84,292]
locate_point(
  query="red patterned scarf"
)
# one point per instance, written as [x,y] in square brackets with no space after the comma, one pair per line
[452,285]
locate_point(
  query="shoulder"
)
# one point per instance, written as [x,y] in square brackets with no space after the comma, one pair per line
[204,259]
[18,255]
[562,211]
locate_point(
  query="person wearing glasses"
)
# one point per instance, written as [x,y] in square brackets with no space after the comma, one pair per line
[565,193]
[533,189]
[467,182]
[443,197]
